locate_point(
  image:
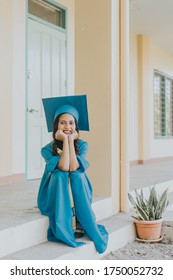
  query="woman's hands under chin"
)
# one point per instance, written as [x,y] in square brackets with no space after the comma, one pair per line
[60,135]
[74,135]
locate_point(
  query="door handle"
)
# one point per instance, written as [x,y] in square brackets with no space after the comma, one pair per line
[29,74]
[32,110]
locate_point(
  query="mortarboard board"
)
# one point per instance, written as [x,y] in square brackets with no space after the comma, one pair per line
[75,105]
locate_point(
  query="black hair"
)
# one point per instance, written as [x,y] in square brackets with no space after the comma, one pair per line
[58,143]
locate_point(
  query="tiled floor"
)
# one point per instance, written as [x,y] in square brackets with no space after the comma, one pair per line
[143,175]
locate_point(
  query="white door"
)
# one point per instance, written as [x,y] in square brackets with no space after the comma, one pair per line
[46,77]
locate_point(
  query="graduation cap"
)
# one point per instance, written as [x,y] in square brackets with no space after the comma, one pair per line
[76,105]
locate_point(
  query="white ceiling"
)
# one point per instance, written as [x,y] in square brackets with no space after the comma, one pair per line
[153,18]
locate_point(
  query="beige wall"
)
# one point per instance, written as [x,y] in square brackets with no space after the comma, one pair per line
[133,98]
[18,65]
[145,92]
[93,77]
[148,57]
[97,75]
[6,140]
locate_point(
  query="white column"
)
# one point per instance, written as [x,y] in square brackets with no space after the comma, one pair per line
[124,104]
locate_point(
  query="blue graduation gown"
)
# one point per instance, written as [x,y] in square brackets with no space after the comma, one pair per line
[54,200]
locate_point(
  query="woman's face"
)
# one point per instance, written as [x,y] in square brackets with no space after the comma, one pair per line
[67,124]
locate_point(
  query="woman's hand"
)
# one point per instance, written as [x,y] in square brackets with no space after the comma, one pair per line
[60,135]
[74,135]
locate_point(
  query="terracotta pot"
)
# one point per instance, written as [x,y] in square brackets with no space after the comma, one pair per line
[149,230]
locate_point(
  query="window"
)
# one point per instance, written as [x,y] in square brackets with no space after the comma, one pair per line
[163,106]
[46,11]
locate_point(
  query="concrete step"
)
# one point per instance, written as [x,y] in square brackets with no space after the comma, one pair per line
[121,231]
[160,187]
[23,230]
[22,226]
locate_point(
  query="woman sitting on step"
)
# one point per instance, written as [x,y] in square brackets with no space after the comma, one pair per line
[65,169]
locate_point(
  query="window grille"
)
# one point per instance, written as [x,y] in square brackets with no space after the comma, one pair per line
[163,106]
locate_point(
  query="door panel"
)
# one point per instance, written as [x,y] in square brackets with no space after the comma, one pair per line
[46,77]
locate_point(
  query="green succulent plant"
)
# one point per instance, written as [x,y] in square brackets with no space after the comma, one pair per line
[151,208]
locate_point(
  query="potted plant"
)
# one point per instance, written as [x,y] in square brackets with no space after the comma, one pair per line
[149,212]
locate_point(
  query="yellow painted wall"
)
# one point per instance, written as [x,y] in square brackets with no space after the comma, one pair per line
[133,98]
[93,77]
[6,138]
[148,57]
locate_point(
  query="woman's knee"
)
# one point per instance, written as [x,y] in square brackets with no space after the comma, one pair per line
[59,177]
[76,174]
